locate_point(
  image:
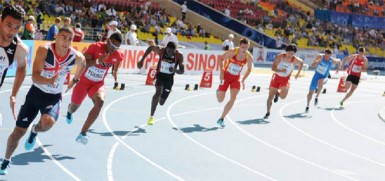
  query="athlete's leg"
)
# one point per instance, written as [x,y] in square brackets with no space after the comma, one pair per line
[350,92]
[13,141]
[46,122]
[155,99]
[229,105]
[320,86]
[221,96]
[98,100]
[272,92]
[283,92]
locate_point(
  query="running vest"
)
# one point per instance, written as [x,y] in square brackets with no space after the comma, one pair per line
[355,66]
[166,61]
[289,66]
[56,65]
[234,66]
[324,66]
[6,58]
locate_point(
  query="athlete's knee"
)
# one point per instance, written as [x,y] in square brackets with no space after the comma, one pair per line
[46,123]
[165,94]
[99,103]
[162,101]
[17,133]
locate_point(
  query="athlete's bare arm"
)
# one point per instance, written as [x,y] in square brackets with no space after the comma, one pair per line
[115,70]
[337,61]
[80,65]
[228,54]
[21,70]
[38,66]
[316,61]
[365,66]
[299,63]
[249,67]
[274,67]
[180,70]
[348,58]
[151,48]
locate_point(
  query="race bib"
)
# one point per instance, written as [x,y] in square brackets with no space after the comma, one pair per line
[165,67]
[356,69]
[95,74]
[321,69]
[234,69]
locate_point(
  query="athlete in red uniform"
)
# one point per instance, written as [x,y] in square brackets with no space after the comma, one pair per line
[357,63]
[283,66]
[230,75]
[100,56]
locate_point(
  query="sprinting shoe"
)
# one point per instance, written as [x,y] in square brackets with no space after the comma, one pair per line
[316,101]
[276,98]
[82,138]
[307,109]
[69,118]
[150,121]
[30,142]
[266,116]
[341,104]
[221,123]
[4,167]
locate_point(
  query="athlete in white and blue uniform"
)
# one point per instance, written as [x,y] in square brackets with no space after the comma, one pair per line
[323,63]
[52,64]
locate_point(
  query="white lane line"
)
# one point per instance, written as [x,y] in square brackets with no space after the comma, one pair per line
[110,174]
[383,112]
[55,161]
[353,130]
[281,150]
[320,140]
[169,117]
[129,147]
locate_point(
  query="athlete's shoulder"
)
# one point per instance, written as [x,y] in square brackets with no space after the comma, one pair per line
[21,46]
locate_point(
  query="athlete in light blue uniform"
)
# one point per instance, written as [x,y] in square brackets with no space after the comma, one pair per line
[323,64]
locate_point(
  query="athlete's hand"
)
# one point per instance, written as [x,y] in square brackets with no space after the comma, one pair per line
[283,70]
[171,69]
[70,85]
[296,76]
[140,64]
[103,58]
[53,79]
[12,102]
[243,85]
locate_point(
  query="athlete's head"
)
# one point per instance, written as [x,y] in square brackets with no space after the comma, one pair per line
[114,42]
[63,38]
[328,53]
[12,19]
[291,50]
[170,48]
[361,50]
[244,45]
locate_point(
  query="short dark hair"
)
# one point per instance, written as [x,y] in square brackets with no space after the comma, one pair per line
[14,11]
[361,49]
[328,51]
[291,47]
[66,29]
[171,44]
[116,36]
[244,41]
[78,25]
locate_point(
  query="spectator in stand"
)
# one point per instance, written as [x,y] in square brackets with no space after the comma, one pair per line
[228,44]
[53,30]
[207,46]
[79,34]
[113,28]
[29,29]
[67,22]
[227,11]
[131,37]
[169,37]
[184,10]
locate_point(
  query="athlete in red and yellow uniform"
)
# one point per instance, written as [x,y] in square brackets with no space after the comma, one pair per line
[357,63]
[230,74]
